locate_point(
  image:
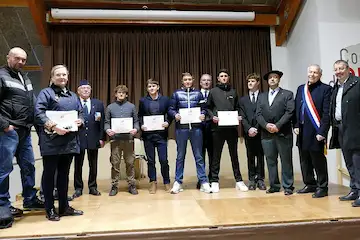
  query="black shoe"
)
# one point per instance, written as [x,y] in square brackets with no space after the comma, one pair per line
[261,185]
[350,197]
[34,205]
[133,190]
[252,185]
[288,192]
[198,185]
[77,193]
[70,198]
[52,215]
[71,212]
[113,191]
[320,193]
[273,190]
[307,189]
[16,212]
[356,203]
[94,192]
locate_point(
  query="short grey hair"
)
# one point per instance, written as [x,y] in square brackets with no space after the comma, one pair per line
[317,66]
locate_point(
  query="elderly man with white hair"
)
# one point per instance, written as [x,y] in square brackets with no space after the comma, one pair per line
[312,105]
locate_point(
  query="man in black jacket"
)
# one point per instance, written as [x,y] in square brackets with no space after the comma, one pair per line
[223,98]
[16,119]
[255,153]
[274,114]
[345,112]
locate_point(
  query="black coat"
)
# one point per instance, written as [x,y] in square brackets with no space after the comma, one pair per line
[320,94]
[54,99]
[350,112]
[279,113]
[93,130]
[248,114]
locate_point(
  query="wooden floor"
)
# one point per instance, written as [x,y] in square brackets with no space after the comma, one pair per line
[188,209]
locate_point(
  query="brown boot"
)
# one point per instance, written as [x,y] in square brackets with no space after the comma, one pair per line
[153,187]
[167,187]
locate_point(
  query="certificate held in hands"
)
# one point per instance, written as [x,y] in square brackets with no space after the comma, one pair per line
[228,118]
[64,119]
[122,125]
[190,115]
[154,122]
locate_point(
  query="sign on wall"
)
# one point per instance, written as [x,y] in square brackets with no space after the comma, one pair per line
[351,54]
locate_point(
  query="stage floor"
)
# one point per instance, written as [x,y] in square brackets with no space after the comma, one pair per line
[186,210]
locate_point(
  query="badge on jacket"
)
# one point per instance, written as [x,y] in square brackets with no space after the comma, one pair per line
[97,116]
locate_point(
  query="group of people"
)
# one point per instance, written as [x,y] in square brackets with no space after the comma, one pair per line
[268,120]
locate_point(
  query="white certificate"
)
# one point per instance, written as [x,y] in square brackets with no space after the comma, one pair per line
[228,118]
[154,122]
[122,125]
[64,119]
[190,115]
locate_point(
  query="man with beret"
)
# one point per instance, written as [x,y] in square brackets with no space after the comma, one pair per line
[274,114]
[91,139]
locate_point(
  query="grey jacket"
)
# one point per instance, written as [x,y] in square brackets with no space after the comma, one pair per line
[123,109]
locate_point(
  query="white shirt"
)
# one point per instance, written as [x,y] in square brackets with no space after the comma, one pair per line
[88,104]
[256,93]
[339,95]
[203,91]
[272,95]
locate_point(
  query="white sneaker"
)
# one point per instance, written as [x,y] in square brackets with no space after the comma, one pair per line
[215,187]
[176,188]
[205,187]
[241,186]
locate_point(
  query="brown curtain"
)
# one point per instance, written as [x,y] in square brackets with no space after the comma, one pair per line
[109,56]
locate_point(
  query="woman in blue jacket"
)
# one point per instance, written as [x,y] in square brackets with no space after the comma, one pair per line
[188,98]
[57,144]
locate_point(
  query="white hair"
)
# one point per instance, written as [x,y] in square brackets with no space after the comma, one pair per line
[315,65]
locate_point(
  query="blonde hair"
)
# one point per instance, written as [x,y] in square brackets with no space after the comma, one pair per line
[56,67]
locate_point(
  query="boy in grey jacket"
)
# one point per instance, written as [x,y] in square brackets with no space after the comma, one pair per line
[122,142]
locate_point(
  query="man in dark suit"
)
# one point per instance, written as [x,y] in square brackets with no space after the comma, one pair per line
[312,123]
[255,153]
[274,114]
[345,121]
[206,84]
[91,139]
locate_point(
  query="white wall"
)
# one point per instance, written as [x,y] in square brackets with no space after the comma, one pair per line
[322,29]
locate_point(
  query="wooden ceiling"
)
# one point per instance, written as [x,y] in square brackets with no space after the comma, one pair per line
[26,20]
[259,6]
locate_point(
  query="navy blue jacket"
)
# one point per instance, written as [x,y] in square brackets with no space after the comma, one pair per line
[182,98]
[54,99]
[321,94]
[93,130]
[145,110]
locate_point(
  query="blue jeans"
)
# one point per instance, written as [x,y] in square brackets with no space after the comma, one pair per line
[182,137]
[161,145]
[17,143]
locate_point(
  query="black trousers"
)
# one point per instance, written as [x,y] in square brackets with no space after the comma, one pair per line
[352,161]
[310,161]
[79,162]
[208,146]
[255,158]
[61,163]
[230,135]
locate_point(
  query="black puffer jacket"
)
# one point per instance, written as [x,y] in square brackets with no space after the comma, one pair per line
[17,100]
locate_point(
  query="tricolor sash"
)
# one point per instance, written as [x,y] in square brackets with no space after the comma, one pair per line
[312,111]
[310,107]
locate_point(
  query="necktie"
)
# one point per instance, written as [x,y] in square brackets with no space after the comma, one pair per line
[86,110]
[253,98]
[206,94]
